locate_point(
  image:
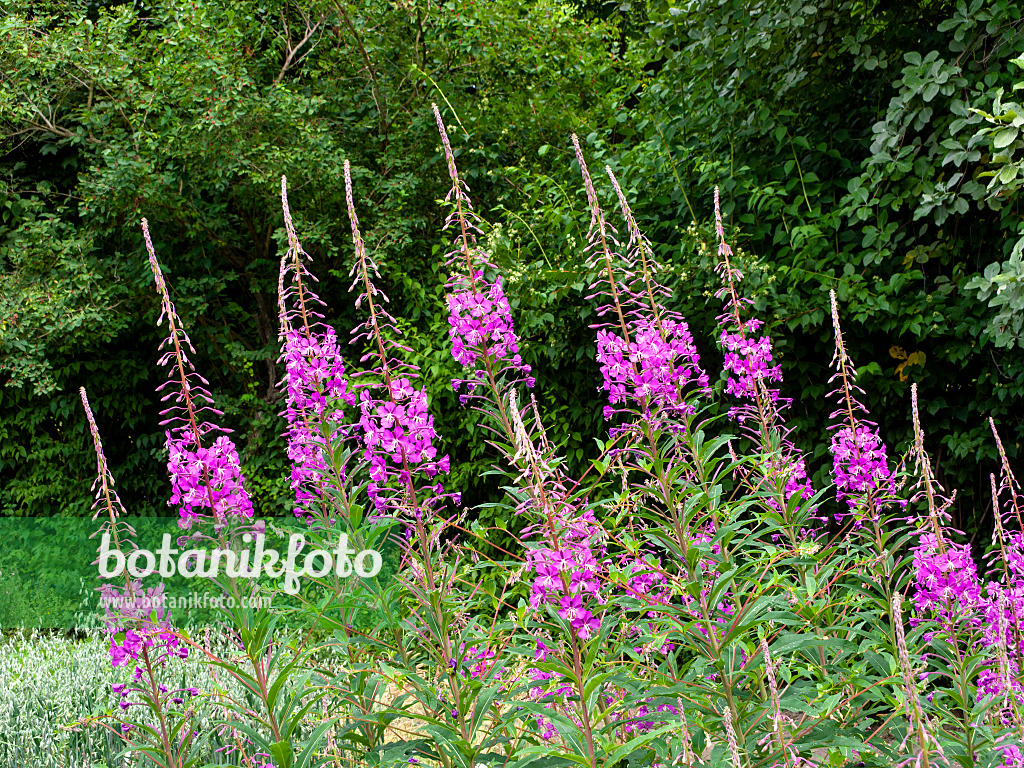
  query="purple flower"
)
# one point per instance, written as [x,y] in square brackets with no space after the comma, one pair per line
[547,728]
[541,654]
[586,625]
[1013,757]
[136,622]
[397,430]
[653,369]
[206,476]
[315,389]
[790,470]
[572,608]
[946,579]
[482,335]
[860,465]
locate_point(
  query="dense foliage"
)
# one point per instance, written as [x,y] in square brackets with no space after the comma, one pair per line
[688,600]
[872,148]
[189,114]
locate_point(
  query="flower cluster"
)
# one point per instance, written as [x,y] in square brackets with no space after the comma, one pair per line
[398,434]
[652,369]
[646,353]
[947,579]
[860,465]
[948,591]
[563,578]
[206,481]
[748,360]
[565,566]
[483,337]
[137,624]
[315,389]
[397,429]
[315,380]
[646,583]
[792,470]
[640,720]
[481,324]
[1013,757]
[476,661]
[206,478]
[554,693]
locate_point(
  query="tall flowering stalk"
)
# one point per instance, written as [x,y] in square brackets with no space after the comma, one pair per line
[398,437]
[565,563]
[485,342]
[947,586]
[1003,606]
[483,338]
[651,371]
[563,556]
[665,360]
[565,542]
[206,474]
[646,353]
[138,628]
[316,388]
[127,610]
[750,371]
[749,364]
[397,430]
[649,365]
[949,590]
[860,465]
[928,750]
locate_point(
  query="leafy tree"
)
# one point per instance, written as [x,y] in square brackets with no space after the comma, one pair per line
[189,113]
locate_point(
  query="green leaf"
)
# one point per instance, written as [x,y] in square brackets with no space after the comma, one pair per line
[1004,137]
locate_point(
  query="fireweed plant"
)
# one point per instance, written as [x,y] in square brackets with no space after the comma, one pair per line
[686,601]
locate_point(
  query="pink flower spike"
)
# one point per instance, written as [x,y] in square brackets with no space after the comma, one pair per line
[206,478]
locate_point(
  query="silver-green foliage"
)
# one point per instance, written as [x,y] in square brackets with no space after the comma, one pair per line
[48,683]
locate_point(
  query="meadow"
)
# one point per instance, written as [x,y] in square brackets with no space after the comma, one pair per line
[691,599]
